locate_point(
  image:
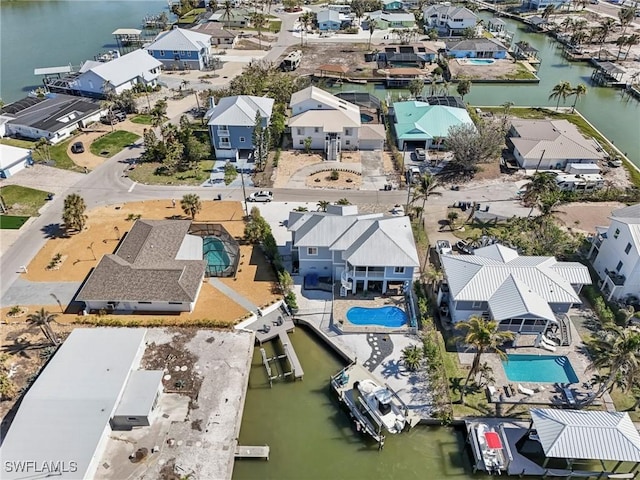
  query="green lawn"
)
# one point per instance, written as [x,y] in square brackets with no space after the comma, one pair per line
[57,152]
[142,119]
[275,26]
[146,173]
[112,143]
[191,16]
[22,200]
[11,222]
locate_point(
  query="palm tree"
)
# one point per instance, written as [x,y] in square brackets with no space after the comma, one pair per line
[548,11]
[605,28]
[227,10]
[484,336]
[464,87]
[579,91]
[343,201]
[626,16]
[43,320]
[73,212]
[412,357]
[305,20]
[191,205]
[42,147]
[630,42]
[561,91]
[372,28]
[416,86]
[452,216]
[322,205]
[426,186]
[617,350]
[541,185]
[259,21]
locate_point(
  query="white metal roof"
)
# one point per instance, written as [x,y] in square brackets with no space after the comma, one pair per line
[64,414]
[514,299]
[240,110]
[127,31]
[482,276]
[123,69]
[179,39]
[328,16]
[10,155]
[583,434]
[53,70]
[140,393]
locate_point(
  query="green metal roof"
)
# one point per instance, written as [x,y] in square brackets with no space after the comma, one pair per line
[421,121]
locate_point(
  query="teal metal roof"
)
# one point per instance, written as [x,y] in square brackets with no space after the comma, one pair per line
[421,121]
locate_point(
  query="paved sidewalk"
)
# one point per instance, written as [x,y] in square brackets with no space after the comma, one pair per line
[24,292]
[233,295]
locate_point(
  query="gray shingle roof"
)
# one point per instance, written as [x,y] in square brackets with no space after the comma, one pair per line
[144,268]
[476,45]
[582,434]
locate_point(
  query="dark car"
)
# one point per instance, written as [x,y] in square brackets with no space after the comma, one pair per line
[77,147]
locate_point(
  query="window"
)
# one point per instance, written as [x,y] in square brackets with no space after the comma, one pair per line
[347,132]
[223,128]
[183,53]
[146,303]
[398,270]
[319,106]
[301,142]
[188,54]
[312,251]
[627,248]
[347,142]
[162,53]
[616,233]
[316,130]
[619,267]
[175,303]
[300,132]
[241,139]
[476,305]
[175,52]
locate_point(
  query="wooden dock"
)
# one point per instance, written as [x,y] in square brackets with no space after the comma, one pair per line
[252,452]
[292,356]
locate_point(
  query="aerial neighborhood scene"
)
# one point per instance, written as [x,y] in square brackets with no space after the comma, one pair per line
[365,239]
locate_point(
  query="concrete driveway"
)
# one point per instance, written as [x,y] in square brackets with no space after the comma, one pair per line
[373,177]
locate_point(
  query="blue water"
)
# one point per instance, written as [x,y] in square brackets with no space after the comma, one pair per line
[364,118]
[383,316]
[539,369]
[214,253]
[480,61]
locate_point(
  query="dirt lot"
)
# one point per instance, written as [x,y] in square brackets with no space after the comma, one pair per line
[345,181]
[584,217]
[290,162]
[497,70]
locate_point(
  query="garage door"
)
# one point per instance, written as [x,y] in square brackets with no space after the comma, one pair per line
[371,144]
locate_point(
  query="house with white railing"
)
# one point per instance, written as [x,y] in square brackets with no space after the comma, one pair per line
[615,254]
[363,252]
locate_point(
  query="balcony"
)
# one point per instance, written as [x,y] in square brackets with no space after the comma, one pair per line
[617,279]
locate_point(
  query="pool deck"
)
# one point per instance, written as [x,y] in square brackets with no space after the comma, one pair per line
[342,304]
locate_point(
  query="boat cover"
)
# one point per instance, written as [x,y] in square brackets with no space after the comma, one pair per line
[493,440]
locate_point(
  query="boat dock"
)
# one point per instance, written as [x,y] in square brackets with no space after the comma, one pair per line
[252,452]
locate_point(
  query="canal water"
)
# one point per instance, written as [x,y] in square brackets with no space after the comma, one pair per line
[311,437]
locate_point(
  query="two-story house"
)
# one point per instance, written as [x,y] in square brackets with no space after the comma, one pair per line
[526,295]
[181,49]
[232,122]
[448,19]
[362,252]
[385,20]
[615,254]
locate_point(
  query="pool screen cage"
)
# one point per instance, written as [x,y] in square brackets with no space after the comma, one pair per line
[230,245]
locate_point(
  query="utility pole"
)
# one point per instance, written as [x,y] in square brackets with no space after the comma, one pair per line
[244,194]
[540,161]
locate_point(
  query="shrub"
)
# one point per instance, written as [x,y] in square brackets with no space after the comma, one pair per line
[335,175]
[291,300]
[15,310]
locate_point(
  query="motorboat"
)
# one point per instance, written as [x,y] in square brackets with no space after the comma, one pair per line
[491,449]
[380,403]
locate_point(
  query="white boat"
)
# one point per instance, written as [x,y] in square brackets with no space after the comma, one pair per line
[491,449]
[382,406]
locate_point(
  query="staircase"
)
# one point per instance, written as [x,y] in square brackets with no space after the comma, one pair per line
[346,285]
[565,331]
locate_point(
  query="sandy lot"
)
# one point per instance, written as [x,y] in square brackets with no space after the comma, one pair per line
[290,162]
[346,181]
[585,217]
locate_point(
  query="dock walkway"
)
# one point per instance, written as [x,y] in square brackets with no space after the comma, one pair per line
[292,356]
[252,452]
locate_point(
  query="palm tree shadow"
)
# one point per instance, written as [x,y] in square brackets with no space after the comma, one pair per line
[54,230]
[21,347]
[395,369]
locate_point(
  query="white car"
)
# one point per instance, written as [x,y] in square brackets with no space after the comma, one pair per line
[443,247]
[261,196]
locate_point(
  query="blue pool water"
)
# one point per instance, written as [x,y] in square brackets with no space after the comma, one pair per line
[383,316]
[215,254]
[480,61]
[364,118]
[539,369]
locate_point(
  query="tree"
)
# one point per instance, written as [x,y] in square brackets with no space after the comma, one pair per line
[452,216]
[43,148]
[605,28]
[416,86]
[630,41]
[412,357]
[343,201]
[322,205]
[159,113]
[227,10]
[542,184]
[306,19]
[616,350]
[372,28]
[307,144]
[43,320]
[464,87]
[426,186]
[191,205]
[561,91]
[579,91]
[626,16]
[548,11]
[358,9]
[259,21]
[260,141]
[472,145]
[73,212]
[484,336]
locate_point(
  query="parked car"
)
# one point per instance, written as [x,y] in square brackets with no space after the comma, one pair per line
[77,147]
[261,196]
[443,246]
[114,117]
[464,247]
[421,154]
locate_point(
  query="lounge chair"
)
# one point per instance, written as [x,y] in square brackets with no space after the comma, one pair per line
[546,346]
[525,390]
[548,341]
[492,390]
[569,396]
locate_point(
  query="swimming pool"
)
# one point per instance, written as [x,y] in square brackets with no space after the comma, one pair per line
[539,369]
[365,118]
[383,316]
[215,254]
[480,61]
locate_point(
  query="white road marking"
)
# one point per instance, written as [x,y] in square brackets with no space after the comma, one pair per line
[132,186]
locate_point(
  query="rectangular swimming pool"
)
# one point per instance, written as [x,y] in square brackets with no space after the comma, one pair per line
[539,369]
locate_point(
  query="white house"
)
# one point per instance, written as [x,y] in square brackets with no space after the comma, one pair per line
[551,144]
[364,252]
[117,75]
[91,386]
[526,295]
[448,19]
[331,123]
[53,117]
[615,254]
[158,266]
[13,159]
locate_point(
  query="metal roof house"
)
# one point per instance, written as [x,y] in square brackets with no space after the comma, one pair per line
[62,425]
[232,121]
[448,19]
[363,252]
[476,48]
[53,117]
[181,49]
[526,295]
[419,124]
[587,435]
[158,266]
[13,159]
[551,144]
[615,254]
